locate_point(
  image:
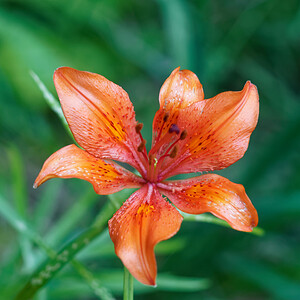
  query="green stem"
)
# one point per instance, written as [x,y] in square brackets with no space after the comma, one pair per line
[127,285]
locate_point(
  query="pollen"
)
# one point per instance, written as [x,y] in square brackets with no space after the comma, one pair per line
[139,127]
[141,146]
[174,128]
[151,159]
[183,135]
[145,209]
[174,152]
[166,116]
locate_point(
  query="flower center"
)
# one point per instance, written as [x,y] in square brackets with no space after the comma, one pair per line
[165,147]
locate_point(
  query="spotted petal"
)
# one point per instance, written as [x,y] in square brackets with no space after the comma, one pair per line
[215,194]
[73,162]
[218,132]
[181,89]
[100,115]
[144,220]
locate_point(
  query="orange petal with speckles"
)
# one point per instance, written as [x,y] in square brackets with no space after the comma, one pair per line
[181,89]
[100,115]
[73,162]
[144,220]
[218,132]
[215,194]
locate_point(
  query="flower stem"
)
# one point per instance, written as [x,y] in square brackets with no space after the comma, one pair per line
[127,285]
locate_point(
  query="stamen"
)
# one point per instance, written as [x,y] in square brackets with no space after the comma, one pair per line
[173,146]
[141,147]
[166,116]
[151,159]
[183,135]
[139,127]
[174,128]
[174,152]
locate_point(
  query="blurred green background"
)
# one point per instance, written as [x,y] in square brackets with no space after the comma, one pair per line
[137,44]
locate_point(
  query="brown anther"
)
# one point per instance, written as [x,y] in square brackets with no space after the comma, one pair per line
[183,134]
[166,116]
[174,152]
[174,128]
[138,127]
[141,146]
[151,159]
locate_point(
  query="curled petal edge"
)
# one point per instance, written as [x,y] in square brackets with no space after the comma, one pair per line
[106,177]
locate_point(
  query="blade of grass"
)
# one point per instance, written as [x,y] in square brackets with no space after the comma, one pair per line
[179,32]
[20,225]
[249,21]
[63,226]
[112,279]
[213,220]
[46,205]
[276,284]
[18,181]
[52,102]
[66,254]
[20,201]
[102,292]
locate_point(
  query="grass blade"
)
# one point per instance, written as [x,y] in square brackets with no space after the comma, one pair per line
[51,101]
[213,220]
[64,256]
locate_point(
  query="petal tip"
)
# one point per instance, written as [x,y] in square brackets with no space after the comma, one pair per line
[61,71]
[38,181]
[250,85]
[150,282]
[176,70]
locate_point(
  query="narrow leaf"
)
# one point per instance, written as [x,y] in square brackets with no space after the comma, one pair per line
[211,219]
[51,101]
[64,256]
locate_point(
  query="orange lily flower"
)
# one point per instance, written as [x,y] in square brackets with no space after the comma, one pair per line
[190,134]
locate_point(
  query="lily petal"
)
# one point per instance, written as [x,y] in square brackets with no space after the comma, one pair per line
[181,89]
[218,132]
[100,115]
[144,220]
[215,194]
[73,162]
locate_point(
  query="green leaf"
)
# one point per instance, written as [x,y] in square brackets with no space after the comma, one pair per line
[112,279]
[74,214]
[213,220]
[21,201]
[52,102]
[94,283]
[179,31]
[65,255]
[21,226]
[276,284]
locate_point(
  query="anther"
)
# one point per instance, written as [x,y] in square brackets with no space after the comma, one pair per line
[183,135]
[141,146]
[174,152]
[166,116]
[151,159]
[138,127]
[174,128]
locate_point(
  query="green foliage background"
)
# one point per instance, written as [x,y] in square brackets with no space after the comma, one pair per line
[136,44]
